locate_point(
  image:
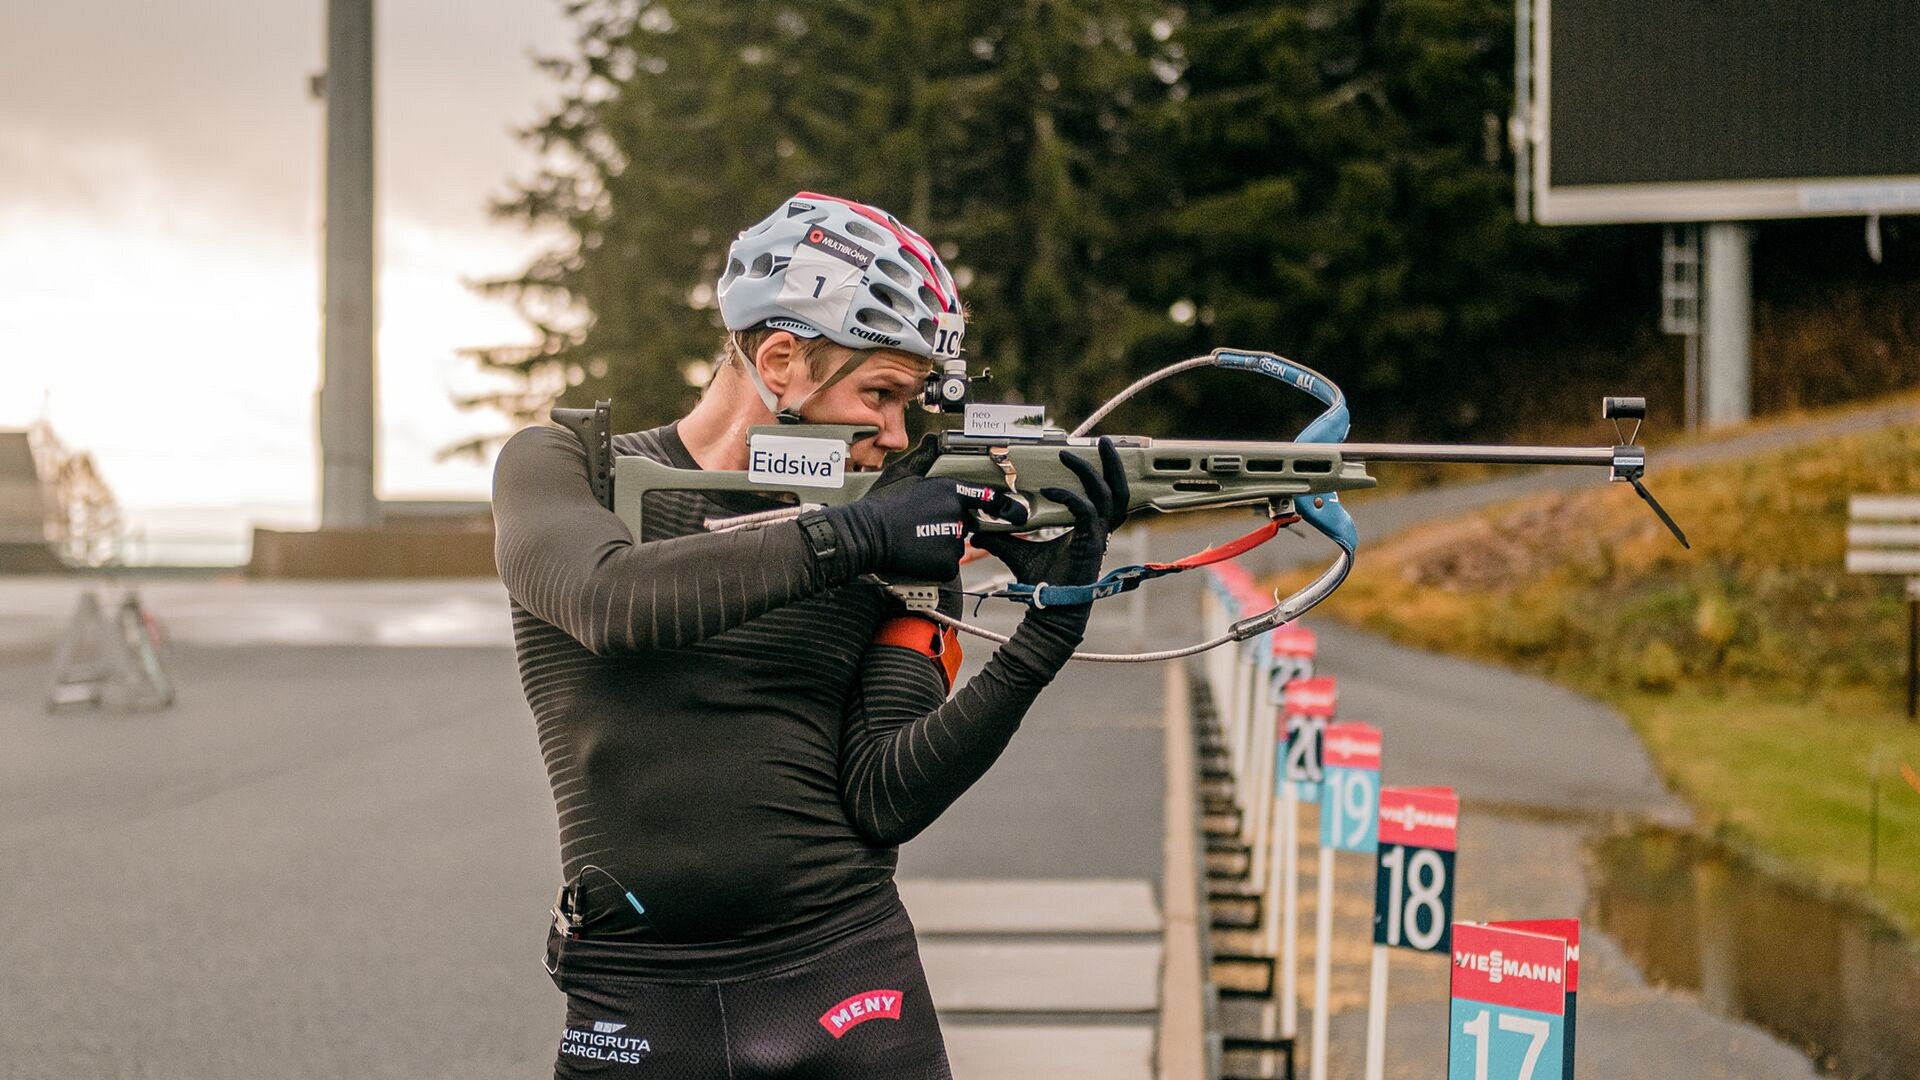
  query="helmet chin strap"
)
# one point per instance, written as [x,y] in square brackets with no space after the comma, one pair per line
[791,413]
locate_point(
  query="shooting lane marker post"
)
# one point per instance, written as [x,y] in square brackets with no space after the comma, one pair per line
[1412,892]
[1310,706]
[1349,821]
[1508,1013]
[1294,651]
[1567,930]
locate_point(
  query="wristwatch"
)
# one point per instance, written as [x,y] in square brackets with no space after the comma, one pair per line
[822,538]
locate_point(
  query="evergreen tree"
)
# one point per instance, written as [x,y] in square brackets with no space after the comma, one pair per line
[992,129]
[1340,193]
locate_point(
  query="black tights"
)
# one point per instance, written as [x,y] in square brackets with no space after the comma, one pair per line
[857,1010]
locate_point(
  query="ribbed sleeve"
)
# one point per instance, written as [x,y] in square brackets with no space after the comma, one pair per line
[573,563]
[907,754]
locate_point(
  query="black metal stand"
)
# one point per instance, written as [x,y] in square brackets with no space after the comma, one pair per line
[1282,1049]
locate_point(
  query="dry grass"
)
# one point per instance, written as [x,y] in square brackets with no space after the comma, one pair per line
[1761,675]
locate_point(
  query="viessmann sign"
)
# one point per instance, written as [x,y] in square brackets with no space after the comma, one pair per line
[1652,110]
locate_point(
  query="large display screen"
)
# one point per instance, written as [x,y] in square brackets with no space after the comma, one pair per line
[1719,109]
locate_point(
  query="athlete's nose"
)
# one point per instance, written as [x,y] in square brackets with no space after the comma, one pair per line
[893,430]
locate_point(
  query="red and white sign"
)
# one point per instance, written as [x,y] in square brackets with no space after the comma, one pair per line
[1234,578]
[1511,968]
[1312,697]
[1420,817]
[1350,746]
[860,1008]
[1295,640]
[1567,930]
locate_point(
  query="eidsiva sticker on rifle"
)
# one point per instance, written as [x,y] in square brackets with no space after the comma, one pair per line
[795,461]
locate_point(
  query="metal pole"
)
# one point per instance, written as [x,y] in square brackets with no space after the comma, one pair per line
[1727,389]
[1518,127]
[347,384]
[1873,827]
[1466,453]
[1913,653]
[1322,957]
[1691,377]
[1376,1066]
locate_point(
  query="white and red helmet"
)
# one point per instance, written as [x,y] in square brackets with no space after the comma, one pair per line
[823,266]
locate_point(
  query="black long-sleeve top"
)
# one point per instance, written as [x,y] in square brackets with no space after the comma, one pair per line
[724,738]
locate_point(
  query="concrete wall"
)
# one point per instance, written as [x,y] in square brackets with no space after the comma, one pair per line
[393,552]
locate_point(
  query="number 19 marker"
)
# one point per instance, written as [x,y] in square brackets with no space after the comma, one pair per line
[1350,777]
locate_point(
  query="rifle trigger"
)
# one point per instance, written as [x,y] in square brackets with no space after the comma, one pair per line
[1000,456]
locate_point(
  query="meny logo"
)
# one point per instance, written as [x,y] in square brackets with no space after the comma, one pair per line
[860,1008]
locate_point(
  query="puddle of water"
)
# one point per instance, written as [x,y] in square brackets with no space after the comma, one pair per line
[1834,980]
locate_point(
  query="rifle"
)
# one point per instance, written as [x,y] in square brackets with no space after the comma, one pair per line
[1010,446]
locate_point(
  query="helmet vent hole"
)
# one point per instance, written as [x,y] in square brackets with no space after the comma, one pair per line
[895,271]
[763,265]
[866,232]
[876,319]
[734,270]
[926,328]
[929,297]
[893,299]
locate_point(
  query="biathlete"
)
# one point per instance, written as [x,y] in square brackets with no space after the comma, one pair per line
[741,727]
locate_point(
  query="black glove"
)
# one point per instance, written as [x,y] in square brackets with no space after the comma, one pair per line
[914,528]
[1073,558]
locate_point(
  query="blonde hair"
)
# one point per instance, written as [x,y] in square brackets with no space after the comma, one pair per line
[741,346]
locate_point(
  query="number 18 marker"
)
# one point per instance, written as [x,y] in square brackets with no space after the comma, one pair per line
[1413,891]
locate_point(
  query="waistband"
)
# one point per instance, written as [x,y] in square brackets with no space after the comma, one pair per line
[876,915]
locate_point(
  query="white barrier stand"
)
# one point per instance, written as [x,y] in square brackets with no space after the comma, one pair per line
[1290,911]
[1236,727]
[1266,715]
[1322,959]
[1252,687]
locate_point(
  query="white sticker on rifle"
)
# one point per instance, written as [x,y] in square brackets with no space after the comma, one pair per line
[1006,421]
[783,461]
[823,278]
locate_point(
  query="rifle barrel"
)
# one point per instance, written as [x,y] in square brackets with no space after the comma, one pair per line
[1603,456]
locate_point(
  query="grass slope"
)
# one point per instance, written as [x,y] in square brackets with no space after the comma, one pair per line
[1764,679]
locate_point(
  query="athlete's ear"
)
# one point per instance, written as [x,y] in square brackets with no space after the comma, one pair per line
[779,360]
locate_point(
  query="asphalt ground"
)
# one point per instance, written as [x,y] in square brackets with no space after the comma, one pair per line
[331,860]
[323,862]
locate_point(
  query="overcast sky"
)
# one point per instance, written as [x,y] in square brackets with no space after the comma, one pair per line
[160,176]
